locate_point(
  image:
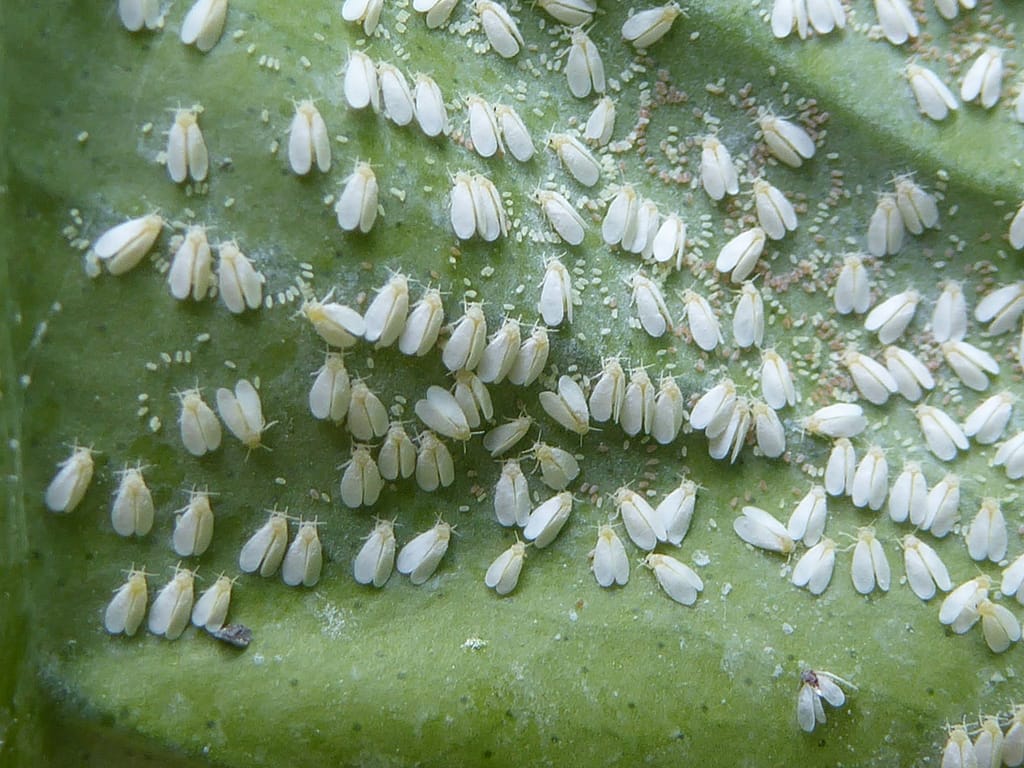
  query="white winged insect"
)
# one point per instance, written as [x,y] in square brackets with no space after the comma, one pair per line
[644,526]
[714,408]
[512,495]
[1016,232]
[365,12]
[676,511]
[807,522]
[420,557]
[959,610]
[934,98]
[546,520]
[891,318]
[568,406]
[376,558]
[608,559]
[717,171]
[434,465]
[942,435]
[836,420]
[984,78]
[787,14]
[361,481]
[430,109]
[562,217]
[441,412]
[69,485]
[925,569]
[399,106]
[356,208]
[423,324]
[483,127]
[678,580]
[908,498]
[191,272]
[304,558]
[435,11]
[265,549]
[970,363]
[759,529]
[840,468]
[193,525]
[1010,456]
[557,466]
[576,158]
[367,417]
[468,340]
[669,411]
[644,28]
[504,437]
[917,207]
[555,304]
[308,140]
[999,626]
[886,227]
[896,19]
[242,413]
[122,247]
[136,14]
[473,398]
[815,686]
[584,69]
[853,287]
[958,751]
[172,609]
[331,392]
[515,133]
[601,123]
[871,480]
[637,413]
[786,140]
[776,380]
[211,609]
[739,256]
[988,742]
[501,29]
[702,320]
[532,358]
[620,220]
[814,569]
[187,156]
[503,574]
[769,430]
[131,514]
[943,506]
[204,24]
[650,305]
[572,13]
[397,455]
[239,283]
[608,394]
[870,567]
[1001,308]
[127,607]
[872,379]
[987,535]
[775,213]
[1013,580]
[988,421]
[361,86]
[386,316]
[748,318]
[910,374]
[489,212]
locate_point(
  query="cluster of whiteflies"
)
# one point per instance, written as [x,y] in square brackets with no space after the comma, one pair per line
[201,27]
[982,81]
[998,740]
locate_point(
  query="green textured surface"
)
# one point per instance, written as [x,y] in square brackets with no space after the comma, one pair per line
[570,674]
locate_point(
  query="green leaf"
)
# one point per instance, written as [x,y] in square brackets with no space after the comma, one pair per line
[560,671]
